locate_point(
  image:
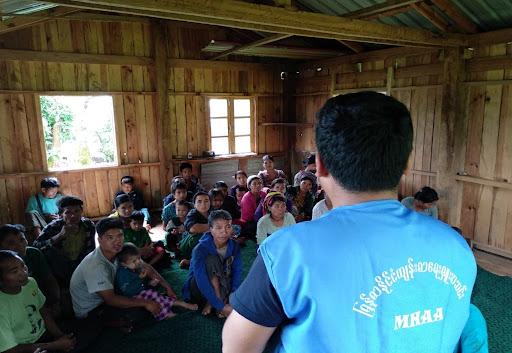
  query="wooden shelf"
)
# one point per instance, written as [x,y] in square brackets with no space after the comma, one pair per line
[224,157]
[287,124]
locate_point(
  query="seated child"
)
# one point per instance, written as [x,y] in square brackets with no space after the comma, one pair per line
[176,226]
[239,194]
[424,201]
[276,218]
[229,203]
[127,188]
[218,201]
[192,182]
[170,197]
[216,267]
[249,203]
[66,241]
[277,185]
[196,223]
[179,192]
[154,254]
[42,207]
[130,282]
[123,209]
[12,237]
[25,324]
[241,180]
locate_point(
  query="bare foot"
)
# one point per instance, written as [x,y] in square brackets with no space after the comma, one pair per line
[207,310]
[221,315]
[186,305]
[184,263]
[170,315]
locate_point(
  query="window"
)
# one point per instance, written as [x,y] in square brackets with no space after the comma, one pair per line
[78,131]
[231,128]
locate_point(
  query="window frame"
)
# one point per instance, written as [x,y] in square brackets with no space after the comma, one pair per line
[44,151]
[231,122]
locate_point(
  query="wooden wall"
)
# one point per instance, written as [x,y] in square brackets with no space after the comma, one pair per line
[486,209]
[467,160]
[415,80]
[122,63]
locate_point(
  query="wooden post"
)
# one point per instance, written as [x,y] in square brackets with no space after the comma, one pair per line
[162,111]
[452,136]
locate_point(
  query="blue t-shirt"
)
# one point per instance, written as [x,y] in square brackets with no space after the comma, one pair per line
[49,206]
[127,282]
[371,277]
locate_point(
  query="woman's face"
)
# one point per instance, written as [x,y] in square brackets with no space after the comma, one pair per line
[241,179]
[277,210]
[125,209]
[280,187]
[306,185]
[202,203]
[255,186]
[268,164]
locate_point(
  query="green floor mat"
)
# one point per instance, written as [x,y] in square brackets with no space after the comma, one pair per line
[190,332]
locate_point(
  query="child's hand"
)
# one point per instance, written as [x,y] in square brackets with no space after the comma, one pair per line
[148,227]
[143,273]
[152,307]
[65,343]
[154,282]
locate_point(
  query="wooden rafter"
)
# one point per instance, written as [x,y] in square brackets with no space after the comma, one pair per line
[387,8]
[18,22]
[354,46]
[264,18]
[257,43]
[457,16]
[432,16]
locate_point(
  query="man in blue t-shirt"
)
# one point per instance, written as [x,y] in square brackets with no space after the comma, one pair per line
[370,275]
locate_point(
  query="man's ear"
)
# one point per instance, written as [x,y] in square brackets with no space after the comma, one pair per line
[408,167]
[321,170]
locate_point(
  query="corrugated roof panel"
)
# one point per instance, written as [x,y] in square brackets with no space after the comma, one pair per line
[487,14]
[22,7]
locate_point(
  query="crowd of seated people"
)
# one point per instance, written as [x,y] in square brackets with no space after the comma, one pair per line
[116,283]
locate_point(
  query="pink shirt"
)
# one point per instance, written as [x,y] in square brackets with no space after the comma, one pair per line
[249,205]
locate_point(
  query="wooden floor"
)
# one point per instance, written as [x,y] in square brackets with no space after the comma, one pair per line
[498,265]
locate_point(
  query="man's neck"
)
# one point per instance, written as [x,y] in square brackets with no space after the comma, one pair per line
[109,256]
[14,290]
[342,197]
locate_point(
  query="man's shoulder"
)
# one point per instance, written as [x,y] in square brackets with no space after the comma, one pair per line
[33,252]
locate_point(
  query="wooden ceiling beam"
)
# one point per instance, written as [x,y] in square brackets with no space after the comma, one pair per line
[257,43]
[492,37]
[456,15]
[432,16]
[388,8]
[230,13]
[19,22]
[354,46]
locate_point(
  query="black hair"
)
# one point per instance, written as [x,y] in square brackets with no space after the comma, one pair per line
[309,160]
[178,186]
[185,165]
[218,214]
[277,181]
[426,195]
[137,216]
[199,193]
[127,179]
[184,203]
[120,199]
[241,188]
[49,182]
[240,172]
[307,177]
[67,201]
[220,184]
[8,229]
[128,249]
[106,224]
[267,157]
[214,193]
[6,255]
[364,140]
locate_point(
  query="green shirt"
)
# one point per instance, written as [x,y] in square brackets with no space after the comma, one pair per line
[138,238]
[36,264]
[20,320]
[73,244]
